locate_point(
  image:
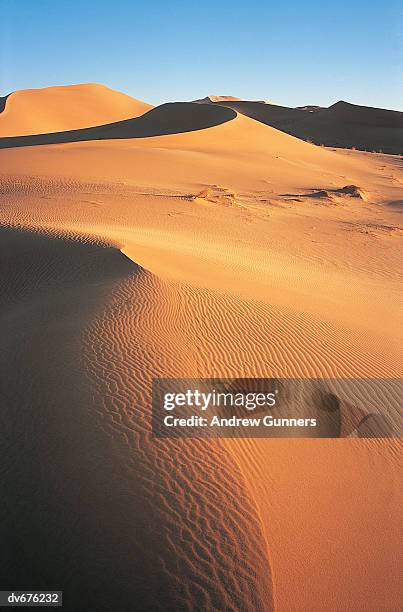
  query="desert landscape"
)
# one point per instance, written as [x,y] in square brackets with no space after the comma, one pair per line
[213,238]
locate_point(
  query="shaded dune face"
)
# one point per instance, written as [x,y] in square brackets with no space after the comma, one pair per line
[265,113]
[364,115]
[171,118]
[52,109]
[341,125]
[3,100]
[91,503]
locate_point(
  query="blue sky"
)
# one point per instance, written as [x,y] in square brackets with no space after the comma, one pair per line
[293,53]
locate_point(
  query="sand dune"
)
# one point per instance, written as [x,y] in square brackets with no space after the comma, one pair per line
[190,242]
[71,107]
[341,125]
[279,160]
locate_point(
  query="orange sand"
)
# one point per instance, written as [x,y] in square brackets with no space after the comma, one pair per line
[226,251]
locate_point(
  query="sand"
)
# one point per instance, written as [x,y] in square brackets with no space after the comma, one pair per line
[218,247]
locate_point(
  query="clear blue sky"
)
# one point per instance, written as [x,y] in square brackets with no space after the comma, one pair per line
[294,53]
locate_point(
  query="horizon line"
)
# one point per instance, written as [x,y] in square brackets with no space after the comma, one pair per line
[262,99]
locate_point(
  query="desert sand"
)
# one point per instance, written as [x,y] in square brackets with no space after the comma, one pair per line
[192,240]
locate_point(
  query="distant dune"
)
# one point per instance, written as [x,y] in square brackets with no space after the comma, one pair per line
[341,125]
[197,241]
[210,99]
[70,107]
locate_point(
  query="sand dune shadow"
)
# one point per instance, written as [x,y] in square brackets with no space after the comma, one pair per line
[170,118]
[71,517]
